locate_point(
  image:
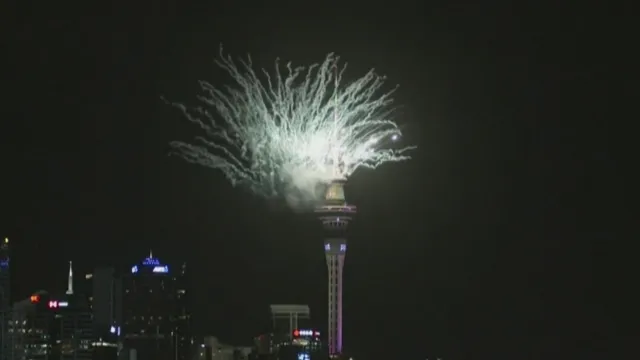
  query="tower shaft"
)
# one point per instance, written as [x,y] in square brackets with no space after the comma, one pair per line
[335,215]
[335,263]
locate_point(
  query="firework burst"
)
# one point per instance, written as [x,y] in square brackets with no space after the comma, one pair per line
[291,129]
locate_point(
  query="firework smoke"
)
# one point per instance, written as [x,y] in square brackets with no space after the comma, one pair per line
[284,134]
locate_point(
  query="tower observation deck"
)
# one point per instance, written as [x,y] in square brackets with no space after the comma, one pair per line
[335,215]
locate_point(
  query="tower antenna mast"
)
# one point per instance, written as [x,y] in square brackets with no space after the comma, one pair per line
[336,152]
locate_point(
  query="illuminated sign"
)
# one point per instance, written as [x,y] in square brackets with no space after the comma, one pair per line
[157,267]
[57,304]
[297,333]
[35,298]
[151,261]
[161,269]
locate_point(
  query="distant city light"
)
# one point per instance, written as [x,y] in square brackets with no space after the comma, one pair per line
[327,246]
[134,269]
[297,333]
[343,247]
[35,298]
[161,269]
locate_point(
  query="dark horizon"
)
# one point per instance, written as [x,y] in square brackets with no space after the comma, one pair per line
[489,242]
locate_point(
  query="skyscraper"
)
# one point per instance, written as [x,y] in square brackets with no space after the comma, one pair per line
[5,300]
[335,215]
[104,289]
[156,317]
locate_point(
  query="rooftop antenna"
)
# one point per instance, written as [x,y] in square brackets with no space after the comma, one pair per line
[70,283]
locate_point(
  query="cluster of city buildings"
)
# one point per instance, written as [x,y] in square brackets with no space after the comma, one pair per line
[137,314]
[142,312]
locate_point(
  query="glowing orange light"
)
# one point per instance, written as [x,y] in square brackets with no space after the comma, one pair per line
[296,333]
[35,298]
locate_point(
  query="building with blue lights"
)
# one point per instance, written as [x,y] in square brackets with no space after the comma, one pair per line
[5,300]
[156,318]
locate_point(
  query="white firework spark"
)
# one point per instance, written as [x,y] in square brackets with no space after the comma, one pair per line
[298,129]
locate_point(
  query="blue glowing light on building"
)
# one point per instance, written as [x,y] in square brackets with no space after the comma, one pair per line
[161,269]
[115,330]
[4,263]
[153,263]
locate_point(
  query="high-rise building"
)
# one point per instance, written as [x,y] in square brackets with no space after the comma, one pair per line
[104,292]
[156,318]
[5,300]
[45,326]
[335,215]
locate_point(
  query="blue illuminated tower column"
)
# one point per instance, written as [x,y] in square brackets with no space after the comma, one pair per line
[335,215]
[5,300]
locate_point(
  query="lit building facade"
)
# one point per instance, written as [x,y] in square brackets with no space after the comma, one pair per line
[5,300]
[306,344]
[46,327]
[156,318]
[210,348]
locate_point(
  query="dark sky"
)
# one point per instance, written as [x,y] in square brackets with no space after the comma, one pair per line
[488,243]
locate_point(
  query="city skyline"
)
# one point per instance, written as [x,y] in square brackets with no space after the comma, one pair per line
[482,246]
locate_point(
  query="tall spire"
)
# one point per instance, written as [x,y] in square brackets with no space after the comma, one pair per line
[150,254]
[70,284]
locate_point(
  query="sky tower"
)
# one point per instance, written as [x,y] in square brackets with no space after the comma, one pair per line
[335,215]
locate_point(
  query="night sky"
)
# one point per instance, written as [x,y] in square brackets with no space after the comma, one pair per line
[488,244]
